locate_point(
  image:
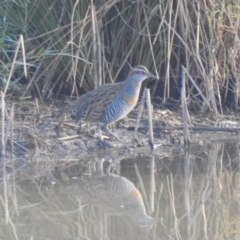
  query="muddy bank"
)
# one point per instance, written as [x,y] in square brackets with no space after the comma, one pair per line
[34,135]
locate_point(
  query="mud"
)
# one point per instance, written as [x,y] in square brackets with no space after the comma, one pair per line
[35,135]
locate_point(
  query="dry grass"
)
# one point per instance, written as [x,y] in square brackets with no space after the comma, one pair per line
[49,48]
[69,45]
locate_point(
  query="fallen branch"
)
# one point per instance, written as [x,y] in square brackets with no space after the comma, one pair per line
[194,129]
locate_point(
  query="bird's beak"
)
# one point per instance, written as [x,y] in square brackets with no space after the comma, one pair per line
[151,75]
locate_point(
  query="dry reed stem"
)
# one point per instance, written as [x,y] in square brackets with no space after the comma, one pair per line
[99,54]
[185,115]
[149,40]
[12,65]
[94,43]
[39,66]
[37,106]
[12,127]
[196,87]
[97,60]
[3,123]
[74,63]
[198,27]
[150,125]
[33,78]
[8,128]
[209,88]
[185,33]
[84,24]
[139,113]
[169,52]
[24,55]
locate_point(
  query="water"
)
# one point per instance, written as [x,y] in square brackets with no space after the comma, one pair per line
[184,195]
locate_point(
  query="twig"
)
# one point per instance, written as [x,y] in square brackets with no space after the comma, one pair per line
[69,137]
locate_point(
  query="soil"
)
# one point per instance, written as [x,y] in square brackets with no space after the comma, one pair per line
[35,136]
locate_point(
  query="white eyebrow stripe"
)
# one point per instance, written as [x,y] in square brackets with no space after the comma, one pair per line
[140,69]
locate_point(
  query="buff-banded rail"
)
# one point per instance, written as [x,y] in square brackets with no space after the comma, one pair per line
[110,102]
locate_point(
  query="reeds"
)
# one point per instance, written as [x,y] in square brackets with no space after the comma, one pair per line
[185,114]
[146,98]
[59,40]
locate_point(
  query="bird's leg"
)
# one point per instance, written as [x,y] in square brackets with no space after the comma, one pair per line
[101,142]
[99,132]
[111,133]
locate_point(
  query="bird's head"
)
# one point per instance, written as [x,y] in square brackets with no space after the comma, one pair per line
[140,73]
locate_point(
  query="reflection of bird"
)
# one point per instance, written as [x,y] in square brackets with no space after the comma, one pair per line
[110,102]
[114,194]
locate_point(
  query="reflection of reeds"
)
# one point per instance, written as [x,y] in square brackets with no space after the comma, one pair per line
[196,196]
[8,197]
[199,203]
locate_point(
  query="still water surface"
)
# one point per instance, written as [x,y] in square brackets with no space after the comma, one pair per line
[183,195]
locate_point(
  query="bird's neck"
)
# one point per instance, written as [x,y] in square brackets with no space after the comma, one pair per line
[132,87]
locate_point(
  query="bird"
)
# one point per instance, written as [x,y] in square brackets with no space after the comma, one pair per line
[115,195]
[110,102]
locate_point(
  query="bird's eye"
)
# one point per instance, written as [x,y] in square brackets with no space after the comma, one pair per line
[141,72]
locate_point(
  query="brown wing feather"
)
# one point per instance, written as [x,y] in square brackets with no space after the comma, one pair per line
[92,105]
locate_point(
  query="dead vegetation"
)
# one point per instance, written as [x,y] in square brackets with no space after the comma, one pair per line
[61,49]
